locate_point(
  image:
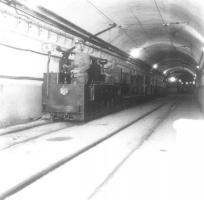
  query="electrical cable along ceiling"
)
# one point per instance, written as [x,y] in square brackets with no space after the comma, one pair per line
[155,29]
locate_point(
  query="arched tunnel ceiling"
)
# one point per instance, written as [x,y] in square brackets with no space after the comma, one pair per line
[166,32]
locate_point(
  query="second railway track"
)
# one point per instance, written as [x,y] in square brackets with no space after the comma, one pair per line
[12,139]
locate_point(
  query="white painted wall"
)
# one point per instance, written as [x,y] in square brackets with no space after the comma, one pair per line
[20,101]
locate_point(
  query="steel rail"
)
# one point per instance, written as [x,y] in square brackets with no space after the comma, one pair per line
[34,137]
[23,129]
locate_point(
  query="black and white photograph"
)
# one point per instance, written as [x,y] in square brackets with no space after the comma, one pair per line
[101,99]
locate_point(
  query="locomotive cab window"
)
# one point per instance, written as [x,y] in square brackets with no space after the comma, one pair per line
[65,67]
[64,75]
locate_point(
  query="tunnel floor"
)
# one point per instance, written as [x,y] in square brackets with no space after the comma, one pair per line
[169,165]
[151,151]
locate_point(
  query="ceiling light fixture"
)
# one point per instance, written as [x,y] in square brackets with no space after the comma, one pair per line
[136,52]
[155,66]
[172,79]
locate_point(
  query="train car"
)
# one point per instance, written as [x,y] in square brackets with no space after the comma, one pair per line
[89,87]
[80,93]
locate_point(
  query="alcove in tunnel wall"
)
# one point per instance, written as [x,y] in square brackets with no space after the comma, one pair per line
[20,96]
[20,101]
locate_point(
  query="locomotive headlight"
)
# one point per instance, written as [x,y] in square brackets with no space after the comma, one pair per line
[64,90]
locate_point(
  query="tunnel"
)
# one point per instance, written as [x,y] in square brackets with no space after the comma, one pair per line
[101,99]
[166,36]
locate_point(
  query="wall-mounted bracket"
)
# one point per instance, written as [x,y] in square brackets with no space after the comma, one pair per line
[111,26]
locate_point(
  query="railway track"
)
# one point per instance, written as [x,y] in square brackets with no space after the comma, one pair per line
[10,133]
[23,138]
[65,160]
[118,166]
[19,128]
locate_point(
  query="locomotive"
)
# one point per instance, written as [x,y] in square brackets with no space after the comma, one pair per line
[87,87]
